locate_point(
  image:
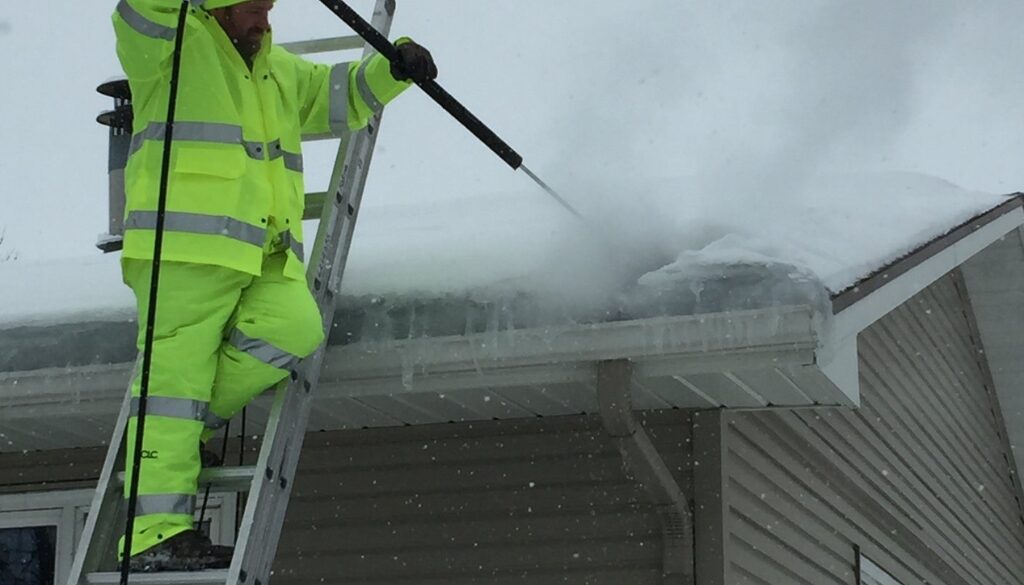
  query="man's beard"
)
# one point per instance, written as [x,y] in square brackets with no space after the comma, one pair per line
[249,45]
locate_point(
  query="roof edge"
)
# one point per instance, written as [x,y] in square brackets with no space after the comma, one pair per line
[696,336]
[849,296]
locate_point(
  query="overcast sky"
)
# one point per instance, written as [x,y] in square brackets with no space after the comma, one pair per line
[582,88]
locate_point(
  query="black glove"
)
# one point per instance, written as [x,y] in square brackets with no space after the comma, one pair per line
[414,63]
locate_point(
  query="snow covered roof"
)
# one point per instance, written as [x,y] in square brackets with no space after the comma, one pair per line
[504,315]
[638,238]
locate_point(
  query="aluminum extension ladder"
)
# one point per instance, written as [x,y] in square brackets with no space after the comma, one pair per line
[269,482]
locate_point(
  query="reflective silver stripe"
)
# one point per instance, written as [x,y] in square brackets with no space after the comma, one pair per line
[196,223]
[212,421]
[297,249]
[263,351]
[338,107]
[253,149]
[185,408]
[165,504]
[364,88]
[143,25]
[294,245]
[195,131]
[217,134]
[292,161]
[274,148]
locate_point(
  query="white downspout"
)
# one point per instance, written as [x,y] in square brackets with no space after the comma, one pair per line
[644,465]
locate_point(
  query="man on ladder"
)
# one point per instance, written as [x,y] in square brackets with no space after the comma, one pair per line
[235,313]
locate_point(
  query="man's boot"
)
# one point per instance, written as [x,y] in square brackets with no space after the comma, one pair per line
[187,551]
[208,458]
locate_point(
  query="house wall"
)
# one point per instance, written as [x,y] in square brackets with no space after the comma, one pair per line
[917,478]
[995,280]
[63,469]
[537,501]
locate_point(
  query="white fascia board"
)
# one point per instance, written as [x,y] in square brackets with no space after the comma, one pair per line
[838,352]
[837,360]
[875,305]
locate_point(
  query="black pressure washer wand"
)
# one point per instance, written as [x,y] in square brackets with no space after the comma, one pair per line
[443,99]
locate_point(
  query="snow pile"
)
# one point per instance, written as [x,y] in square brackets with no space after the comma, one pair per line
[677,246]
[714,280]
[78,290]
[833,229]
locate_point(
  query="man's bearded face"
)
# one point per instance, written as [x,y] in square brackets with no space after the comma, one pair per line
[246,24]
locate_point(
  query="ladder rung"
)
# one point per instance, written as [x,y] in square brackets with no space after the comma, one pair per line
[319,137]
[215,577]
[324,45]
[230,479]
[314,205]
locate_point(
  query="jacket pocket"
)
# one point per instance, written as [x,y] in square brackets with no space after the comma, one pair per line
[224,162]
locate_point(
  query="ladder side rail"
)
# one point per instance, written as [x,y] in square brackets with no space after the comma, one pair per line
[324,45]
[97,540]
[263,520]
[332,216]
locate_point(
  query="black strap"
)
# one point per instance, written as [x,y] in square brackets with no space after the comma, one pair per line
[147,352]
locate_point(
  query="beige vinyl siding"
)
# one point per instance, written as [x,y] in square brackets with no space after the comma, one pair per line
[995,279]
[32,471]
[535,501]
[917,477]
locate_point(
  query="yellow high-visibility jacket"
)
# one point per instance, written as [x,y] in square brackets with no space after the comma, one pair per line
[236,159]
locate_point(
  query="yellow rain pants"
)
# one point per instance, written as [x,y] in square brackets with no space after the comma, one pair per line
[222,337]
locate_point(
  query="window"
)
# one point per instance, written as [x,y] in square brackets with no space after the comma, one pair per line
[28,548]
[869,573]
[39,532]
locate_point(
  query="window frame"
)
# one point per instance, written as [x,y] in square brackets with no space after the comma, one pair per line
[67,509]
[59,508]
